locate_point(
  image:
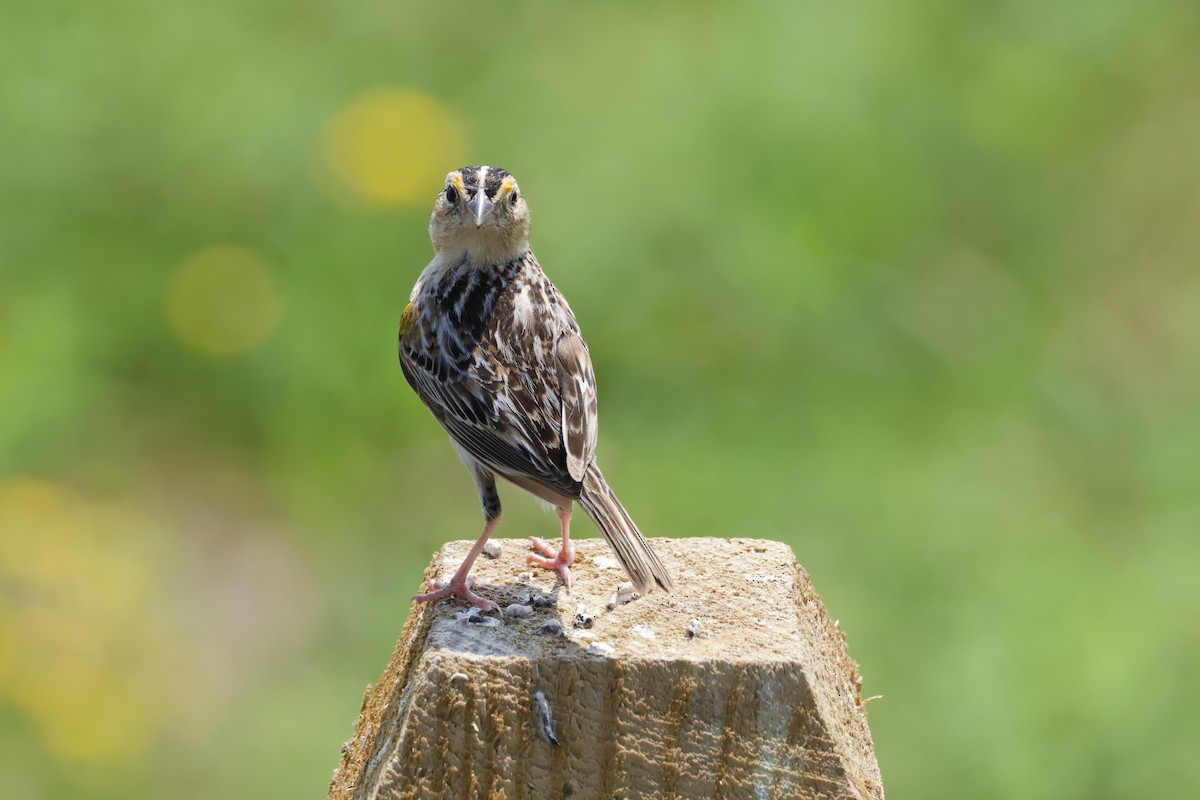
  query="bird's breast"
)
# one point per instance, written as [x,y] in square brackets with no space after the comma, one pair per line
[455,305]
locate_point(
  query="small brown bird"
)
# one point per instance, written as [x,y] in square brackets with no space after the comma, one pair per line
[493,350]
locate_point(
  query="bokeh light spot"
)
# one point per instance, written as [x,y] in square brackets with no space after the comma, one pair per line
[74,612]
[391,147]
[223,301]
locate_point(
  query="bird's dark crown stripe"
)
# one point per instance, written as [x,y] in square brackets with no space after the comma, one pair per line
[492,178]
[495,177]
[470,176]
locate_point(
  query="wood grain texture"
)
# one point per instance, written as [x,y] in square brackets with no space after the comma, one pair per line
[764,703]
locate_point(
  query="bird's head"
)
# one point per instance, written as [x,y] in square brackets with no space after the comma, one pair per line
[480,212]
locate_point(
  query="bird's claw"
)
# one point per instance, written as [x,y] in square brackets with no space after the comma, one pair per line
[457,587]
[558,560]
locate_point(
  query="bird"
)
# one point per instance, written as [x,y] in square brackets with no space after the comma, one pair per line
[492,348]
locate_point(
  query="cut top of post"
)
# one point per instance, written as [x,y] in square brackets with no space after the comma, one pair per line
[735,600]
[737,683]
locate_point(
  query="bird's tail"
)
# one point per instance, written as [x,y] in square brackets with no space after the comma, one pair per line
[626,541]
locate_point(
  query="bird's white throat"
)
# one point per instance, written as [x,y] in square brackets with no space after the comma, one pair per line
[481,248]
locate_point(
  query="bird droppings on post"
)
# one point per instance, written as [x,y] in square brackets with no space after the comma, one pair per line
[525,578]
[540,600]
[583,618]
[476,616]
[604,562]
[553,627]
[492,548]
[518,610]
[623,595]
[545,717]
[600,649]
[644,631]
[694,628]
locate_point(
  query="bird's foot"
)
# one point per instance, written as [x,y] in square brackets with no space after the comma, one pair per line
[457,587]
[557,560]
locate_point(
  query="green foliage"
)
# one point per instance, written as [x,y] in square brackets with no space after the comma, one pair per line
[912,287]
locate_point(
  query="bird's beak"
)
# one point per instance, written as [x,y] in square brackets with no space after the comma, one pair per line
[482,210]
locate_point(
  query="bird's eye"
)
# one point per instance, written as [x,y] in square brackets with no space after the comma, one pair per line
[515,196]
[451,195]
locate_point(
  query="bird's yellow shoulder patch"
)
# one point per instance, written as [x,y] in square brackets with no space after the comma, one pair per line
[406,319]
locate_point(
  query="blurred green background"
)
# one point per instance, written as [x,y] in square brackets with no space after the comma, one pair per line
[914,288]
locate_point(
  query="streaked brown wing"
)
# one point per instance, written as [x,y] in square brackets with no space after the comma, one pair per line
[507,410]
[577,390]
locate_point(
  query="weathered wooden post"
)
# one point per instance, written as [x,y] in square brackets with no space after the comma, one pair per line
[735,685]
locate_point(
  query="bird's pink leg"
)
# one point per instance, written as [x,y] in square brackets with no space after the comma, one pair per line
[559,561]
[460,585]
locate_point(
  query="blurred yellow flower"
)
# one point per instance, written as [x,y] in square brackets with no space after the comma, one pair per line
[223,301]
[392,147]
[73,630]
